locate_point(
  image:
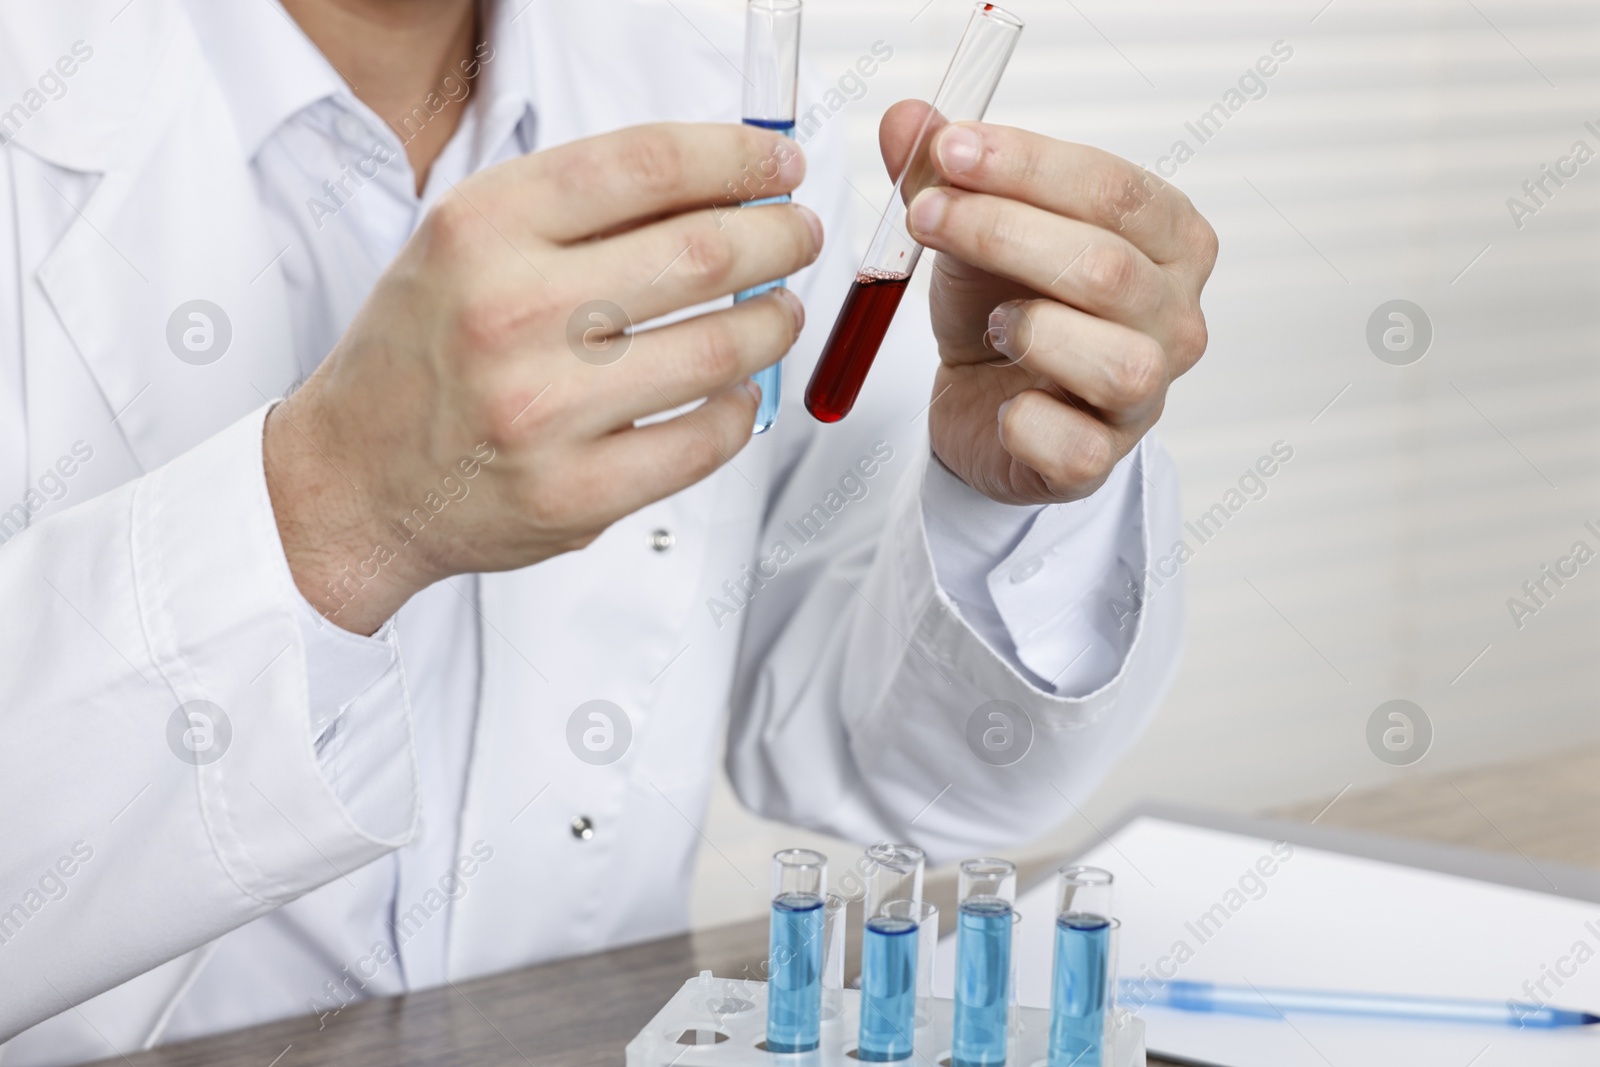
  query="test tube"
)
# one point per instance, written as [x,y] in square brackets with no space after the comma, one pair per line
[835,909]
[889,950]
[881,282]
[927,952]
[1081,991]
[986,891]
[794,962]
[771,84]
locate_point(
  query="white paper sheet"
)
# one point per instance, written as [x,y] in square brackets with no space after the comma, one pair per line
[1324,920]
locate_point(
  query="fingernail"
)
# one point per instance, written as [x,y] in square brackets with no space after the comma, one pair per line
[960,150]
[793,300]
[928,211]
[995,337]
[814,224]
[791,162]
[753,389]
[999,327]
[1000,418]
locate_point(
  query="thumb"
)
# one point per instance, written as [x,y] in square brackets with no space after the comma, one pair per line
[897,134]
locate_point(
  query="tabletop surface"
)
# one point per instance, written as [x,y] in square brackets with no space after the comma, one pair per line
[584,1010]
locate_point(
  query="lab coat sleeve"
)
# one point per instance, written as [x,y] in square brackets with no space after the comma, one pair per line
[141,823]
[865,704]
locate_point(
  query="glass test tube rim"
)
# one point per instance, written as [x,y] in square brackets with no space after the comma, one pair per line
[987,870]
[895,850]
[894,871]
[792,861]
[1097,881]
[1000,14]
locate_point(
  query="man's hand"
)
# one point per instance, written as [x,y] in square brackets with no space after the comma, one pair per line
[1066,299]
[474,353]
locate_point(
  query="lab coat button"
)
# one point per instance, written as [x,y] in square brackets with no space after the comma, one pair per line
[1026,569]
[583,828]
[661,540]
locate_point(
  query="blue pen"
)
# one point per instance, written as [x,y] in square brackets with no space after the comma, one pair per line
[1273,1003]
[771,85]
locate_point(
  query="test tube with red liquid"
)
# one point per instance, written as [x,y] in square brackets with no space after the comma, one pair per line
[881,282]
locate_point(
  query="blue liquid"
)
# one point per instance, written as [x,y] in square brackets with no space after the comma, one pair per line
[794,980]
[1080,991]
[888,990]
[771,379]
[983,983]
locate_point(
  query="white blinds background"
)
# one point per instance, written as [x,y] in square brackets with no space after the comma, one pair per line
[1376,165]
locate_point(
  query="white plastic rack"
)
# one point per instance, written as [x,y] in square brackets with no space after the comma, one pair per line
[722,1022]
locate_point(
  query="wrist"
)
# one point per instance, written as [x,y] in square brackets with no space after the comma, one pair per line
[343,560]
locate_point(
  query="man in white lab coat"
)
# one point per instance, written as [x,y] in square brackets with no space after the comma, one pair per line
[422,672]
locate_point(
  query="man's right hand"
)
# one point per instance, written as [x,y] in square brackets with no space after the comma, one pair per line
[476,335]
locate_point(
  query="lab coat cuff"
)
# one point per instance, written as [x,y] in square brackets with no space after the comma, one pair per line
[217,602]
[340,665]
[968,536]
[360,716]
[1068,591]
[1048,588]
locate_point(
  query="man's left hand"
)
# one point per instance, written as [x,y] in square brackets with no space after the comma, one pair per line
[1066,300]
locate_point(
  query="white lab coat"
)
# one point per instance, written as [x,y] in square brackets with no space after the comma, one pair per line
[158,578]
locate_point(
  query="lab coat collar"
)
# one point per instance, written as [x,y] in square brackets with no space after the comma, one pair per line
[269,70]
[506,89]
[265,65]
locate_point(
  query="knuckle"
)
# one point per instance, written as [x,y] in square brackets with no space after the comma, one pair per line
[490,323]
[1114,192]
[1140,374]
[1134,190]
[1191,337]
[451,226]
[512,415]
[654,159]
[1085,463]
[1111,274]
[1207,241]
[708,258]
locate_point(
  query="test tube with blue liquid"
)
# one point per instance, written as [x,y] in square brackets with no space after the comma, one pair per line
[1081,990]
[771,86]
[987,893]
[889,951]
[795,951]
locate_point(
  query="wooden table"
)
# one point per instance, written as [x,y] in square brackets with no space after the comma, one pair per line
[584,1010]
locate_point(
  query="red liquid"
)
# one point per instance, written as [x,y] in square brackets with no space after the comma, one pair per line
[854,344]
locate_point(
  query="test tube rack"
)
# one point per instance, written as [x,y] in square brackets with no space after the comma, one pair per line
[722,1022]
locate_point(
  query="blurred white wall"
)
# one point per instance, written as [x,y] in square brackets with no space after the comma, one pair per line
[1376,165]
